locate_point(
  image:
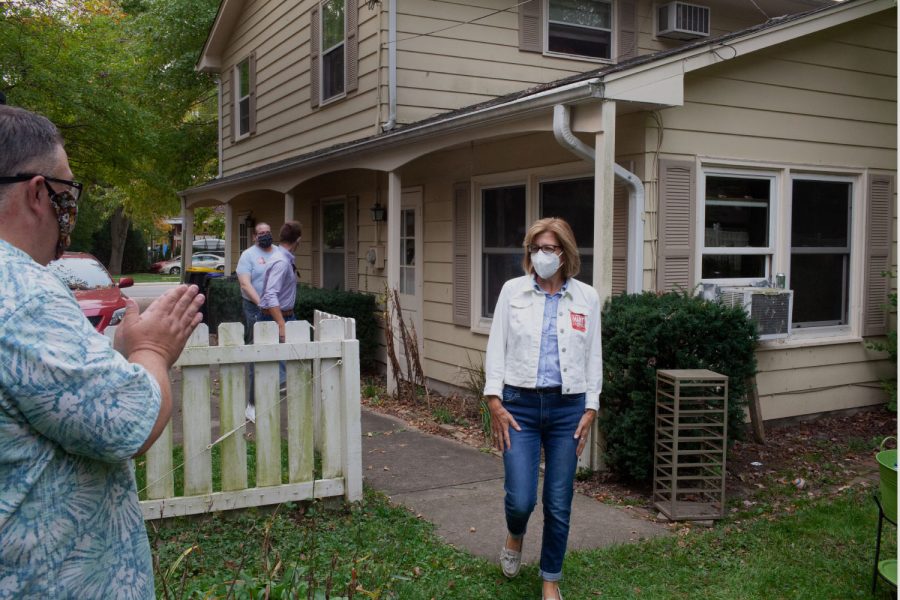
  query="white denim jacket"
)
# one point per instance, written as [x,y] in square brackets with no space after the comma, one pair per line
[515,341]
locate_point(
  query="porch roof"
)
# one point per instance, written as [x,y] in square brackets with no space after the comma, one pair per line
[652,80]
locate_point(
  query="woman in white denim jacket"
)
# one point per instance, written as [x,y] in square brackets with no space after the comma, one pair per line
[543,373]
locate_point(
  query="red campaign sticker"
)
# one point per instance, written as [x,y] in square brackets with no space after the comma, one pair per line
[578,321]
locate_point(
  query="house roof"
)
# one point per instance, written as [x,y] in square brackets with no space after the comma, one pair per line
[655,78]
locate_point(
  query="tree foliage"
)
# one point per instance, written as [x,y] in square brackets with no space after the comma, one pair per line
[117,77]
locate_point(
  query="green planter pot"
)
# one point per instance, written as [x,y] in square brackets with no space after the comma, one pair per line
[887,466]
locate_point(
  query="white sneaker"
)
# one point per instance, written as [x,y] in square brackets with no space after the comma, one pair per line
[510,562]
[250,413]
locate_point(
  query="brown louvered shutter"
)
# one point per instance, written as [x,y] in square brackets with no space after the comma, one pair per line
[314,56]
[351,73]
[462,280]
[316,252]
[531,26]
[627,42]
[232,91]
[675,264]
[620,240]
[351,268]
[252,98]
[879,200]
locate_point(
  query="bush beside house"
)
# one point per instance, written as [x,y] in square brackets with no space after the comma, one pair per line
[224,305]
[643,333]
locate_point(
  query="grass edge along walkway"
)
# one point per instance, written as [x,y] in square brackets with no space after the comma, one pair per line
[824,550]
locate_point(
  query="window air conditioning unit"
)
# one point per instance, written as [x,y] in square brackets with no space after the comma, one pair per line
[771,308]
[682,21]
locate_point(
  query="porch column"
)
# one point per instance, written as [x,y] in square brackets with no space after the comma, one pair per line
[392,257]
[187,236]
[229,237]
[289,207]
[604,181]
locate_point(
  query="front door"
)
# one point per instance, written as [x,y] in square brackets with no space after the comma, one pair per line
[410,284]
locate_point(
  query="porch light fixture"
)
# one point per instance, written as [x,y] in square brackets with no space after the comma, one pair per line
[249,221]
[379,213]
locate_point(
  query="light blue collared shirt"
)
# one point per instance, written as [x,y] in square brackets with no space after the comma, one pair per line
[548,374]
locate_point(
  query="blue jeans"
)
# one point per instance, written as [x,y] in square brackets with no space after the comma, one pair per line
[282,371]
[251,316]
[548,419]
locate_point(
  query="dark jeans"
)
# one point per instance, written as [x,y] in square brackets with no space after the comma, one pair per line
[282,371]
[251,316]
[548,419]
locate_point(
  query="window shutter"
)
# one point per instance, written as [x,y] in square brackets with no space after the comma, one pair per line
[351,272]
[627,41]
[620,240]
[252,99]
[880,194]
[531,26]
[314,56]
[462,280]
[234,105]
[351,43]
[675,222]
[316,252]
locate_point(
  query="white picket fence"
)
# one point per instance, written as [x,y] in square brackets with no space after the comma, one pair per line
[323,414]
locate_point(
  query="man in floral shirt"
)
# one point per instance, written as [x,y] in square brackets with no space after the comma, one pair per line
[73,410]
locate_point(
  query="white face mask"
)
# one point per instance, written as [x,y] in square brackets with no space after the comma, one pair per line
[545,265]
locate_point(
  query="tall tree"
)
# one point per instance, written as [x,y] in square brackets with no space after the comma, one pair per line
[117,77]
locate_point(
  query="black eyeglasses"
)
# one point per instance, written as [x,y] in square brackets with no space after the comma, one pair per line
[74,187]
[546,248]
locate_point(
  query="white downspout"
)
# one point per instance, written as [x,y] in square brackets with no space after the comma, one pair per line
[392,67]
[635,260]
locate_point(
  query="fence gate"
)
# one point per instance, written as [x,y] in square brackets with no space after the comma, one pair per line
[323,372]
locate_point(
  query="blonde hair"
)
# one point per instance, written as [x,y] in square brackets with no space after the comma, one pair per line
[571,261]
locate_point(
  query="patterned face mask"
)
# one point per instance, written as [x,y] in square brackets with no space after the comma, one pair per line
[66,205]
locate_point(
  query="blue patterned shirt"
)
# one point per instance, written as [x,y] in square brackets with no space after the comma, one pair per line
[72,413]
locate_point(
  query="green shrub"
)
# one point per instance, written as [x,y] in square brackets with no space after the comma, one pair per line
[646,332]
[224,305]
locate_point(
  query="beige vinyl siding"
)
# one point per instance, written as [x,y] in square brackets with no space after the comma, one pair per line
[826,101]
[814,379]
[444,62]
[286,125]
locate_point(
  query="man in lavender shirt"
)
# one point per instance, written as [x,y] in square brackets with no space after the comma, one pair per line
[280,285]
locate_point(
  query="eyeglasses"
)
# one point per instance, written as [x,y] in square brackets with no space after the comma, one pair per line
[546,248]
[74,187]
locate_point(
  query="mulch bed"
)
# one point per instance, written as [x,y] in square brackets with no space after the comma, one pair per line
[800,459]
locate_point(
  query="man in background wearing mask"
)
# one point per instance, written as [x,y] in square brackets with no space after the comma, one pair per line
[251,272]
[73,410]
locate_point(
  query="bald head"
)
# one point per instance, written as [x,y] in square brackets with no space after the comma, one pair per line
[29,142]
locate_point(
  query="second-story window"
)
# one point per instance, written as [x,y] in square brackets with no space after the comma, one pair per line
[333,48]
[242,93]
[580,27]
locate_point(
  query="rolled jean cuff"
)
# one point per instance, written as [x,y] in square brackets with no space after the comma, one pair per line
[549,576]
[515,536]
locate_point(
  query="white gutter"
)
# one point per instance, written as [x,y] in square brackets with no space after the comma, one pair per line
[392,67]
[562,131]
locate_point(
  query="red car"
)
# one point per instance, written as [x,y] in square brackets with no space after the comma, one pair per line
[100,298]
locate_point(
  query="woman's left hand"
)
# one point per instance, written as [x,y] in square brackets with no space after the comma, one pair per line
[584,427]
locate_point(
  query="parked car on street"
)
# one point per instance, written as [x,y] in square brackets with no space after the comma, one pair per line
[99,297]
[203,259]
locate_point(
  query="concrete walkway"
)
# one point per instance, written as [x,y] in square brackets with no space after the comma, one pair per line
[460,490]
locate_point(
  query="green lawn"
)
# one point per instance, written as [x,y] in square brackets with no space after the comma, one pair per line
[822,551]
[151,278]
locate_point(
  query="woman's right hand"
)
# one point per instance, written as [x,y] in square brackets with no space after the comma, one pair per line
[501,421]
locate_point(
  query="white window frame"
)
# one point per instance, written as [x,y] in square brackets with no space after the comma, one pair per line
[612,35]
[239,99]
[768,251]
[323,51]
[331,200]
[781,259]
[531,179]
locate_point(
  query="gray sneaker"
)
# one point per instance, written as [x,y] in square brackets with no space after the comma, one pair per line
[510,562]
[250,413]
